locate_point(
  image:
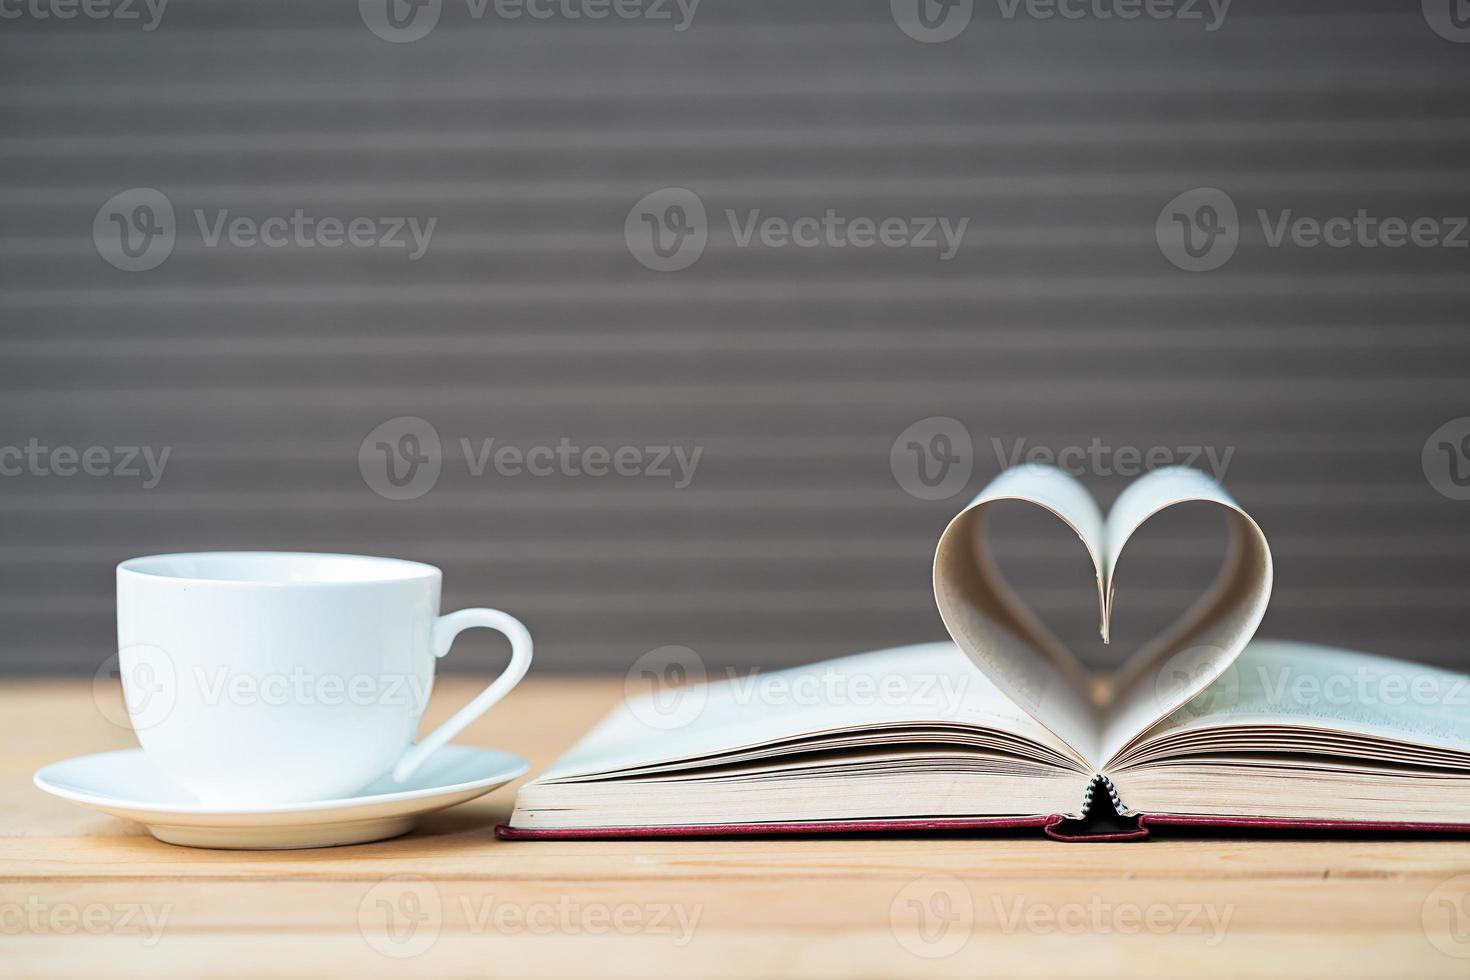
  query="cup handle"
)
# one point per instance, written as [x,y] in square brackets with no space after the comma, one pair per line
[446,628]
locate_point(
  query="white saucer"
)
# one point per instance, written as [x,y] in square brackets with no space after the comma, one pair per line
[126,784]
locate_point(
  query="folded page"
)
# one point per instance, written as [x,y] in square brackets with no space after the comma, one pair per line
[1027,662]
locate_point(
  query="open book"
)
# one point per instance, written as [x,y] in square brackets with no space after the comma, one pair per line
[1003,727]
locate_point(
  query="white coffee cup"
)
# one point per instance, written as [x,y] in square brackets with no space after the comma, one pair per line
[272,677]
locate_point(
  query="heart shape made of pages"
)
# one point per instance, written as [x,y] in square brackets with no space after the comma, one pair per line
[1098,716]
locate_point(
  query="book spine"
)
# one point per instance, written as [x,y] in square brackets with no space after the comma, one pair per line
[1099,781]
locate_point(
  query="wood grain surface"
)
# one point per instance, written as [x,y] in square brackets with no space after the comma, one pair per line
[83,894]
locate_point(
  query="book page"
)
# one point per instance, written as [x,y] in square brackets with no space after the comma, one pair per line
[930,683]
[1281,683]
[1027,662]
[1297,731]
[991,624]
[1183,661]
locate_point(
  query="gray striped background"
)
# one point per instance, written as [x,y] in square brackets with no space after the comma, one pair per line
[528,320]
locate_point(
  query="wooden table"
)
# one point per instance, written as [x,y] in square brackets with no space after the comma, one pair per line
[82,894]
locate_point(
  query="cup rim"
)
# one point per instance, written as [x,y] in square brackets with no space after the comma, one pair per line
[393,570]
